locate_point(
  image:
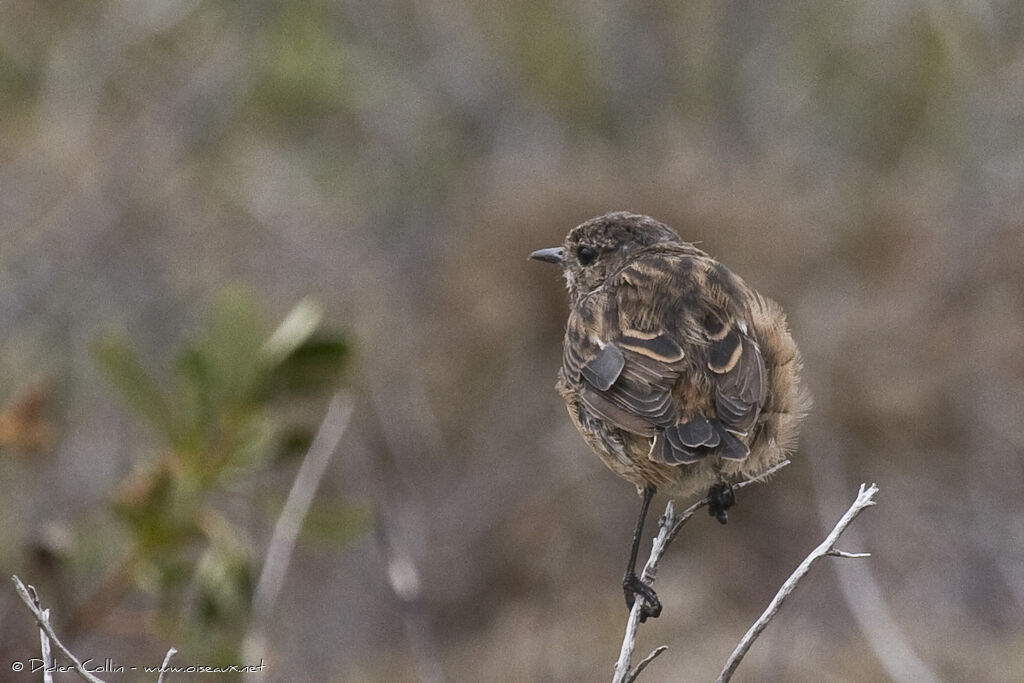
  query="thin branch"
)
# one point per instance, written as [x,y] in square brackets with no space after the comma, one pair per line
[865,499]
[163,667]
[661,541]
[289,523]
[670,524]
[860,588]
[843,553]
[690,511]
[44,647]
[44,640]
[644,662]
[43,618]
[307,480]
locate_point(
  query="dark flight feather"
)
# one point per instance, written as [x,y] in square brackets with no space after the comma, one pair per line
[603,369]
[629,379]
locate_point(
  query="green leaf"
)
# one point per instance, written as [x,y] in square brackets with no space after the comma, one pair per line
[231,348]
[313,367]
[197,395]
[296,328]
[136,387]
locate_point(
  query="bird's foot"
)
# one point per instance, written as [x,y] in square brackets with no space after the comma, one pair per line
[722,498]
[632,586]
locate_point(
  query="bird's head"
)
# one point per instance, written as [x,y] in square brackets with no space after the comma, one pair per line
[600,247]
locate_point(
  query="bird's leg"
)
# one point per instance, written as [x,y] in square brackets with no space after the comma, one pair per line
[722,498]
[631,583]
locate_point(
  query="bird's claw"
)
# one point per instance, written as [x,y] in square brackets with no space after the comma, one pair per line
[722,498]
[632,586]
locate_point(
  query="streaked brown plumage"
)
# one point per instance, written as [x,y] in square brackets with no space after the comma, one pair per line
[677,374]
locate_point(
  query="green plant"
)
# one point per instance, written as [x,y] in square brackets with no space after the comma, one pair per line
[219,423]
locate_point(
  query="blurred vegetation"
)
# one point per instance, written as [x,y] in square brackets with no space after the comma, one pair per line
[219,419]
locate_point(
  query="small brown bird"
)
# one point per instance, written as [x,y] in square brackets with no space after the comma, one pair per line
[678,375]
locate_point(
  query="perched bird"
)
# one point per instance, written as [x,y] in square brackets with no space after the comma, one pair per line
[676,373]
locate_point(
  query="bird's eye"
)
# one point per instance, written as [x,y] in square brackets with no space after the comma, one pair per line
[586,255]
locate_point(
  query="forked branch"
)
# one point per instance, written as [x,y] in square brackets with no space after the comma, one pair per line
[670,524]
[865,499]
[28,596]
[48,639]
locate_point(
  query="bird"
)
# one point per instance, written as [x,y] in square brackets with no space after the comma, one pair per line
[677,374]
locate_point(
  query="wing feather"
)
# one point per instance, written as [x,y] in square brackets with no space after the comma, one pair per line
[629,343]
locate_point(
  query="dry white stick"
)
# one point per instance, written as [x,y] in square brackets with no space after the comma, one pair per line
[289,523]
[163,667]
[865,499]
[42,617]
[669,527]
[47,636]
[860,588]
[44,640]
[44,644]
[307,480]
[649,574]
[644,662]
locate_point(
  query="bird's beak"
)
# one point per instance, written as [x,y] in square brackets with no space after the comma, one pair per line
[550,255]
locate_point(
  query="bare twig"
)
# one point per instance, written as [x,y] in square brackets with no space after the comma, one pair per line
[843,553]
[690,511]
[43,618]
[667,524]
[289,523]
[865,499]
[47,636]
[644,662]
[44,647]
[44,640]
[163,667]
[670,524]
[860,588]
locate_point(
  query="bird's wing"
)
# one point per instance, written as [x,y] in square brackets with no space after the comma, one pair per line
[729,368]
[659,318]
[623,363]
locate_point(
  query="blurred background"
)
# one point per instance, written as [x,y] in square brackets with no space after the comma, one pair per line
[215,215]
